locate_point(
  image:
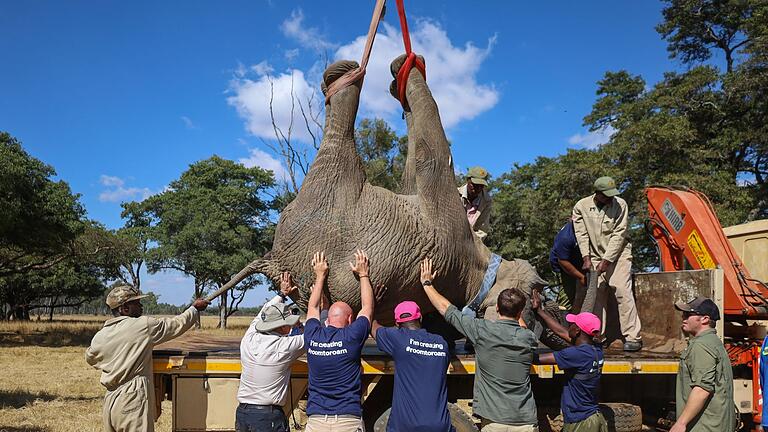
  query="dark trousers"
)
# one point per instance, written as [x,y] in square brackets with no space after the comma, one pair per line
[258,418]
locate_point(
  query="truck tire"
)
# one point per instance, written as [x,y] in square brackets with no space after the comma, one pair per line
[460,420]
[622,417]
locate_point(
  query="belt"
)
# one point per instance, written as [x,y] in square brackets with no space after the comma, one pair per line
[254,406]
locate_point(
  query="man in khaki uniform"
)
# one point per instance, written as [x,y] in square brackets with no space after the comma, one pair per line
[476,200]
[122,351]
[600,223]
[704,392]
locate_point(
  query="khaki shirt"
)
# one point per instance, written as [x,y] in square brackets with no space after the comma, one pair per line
[602,232]
[503,356]
[705,364]
[122,349]
[482,206]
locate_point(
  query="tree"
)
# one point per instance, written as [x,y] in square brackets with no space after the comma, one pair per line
[382,152]
[210,223]
[135,237]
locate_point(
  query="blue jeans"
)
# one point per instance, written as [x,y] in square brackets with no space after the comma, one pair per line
[258,418]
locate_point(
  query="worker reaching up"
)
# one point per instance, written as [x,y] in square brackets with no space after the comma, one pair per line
[122,351]
[333,353]
[420,395]
[600,222]
[582,363]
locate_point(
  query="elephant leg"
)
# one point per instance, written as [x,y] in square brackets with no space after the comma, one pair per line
[337,175]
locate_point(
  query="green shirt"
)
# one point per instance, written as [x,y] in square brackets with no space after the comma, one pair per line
[705,364]
[503,357]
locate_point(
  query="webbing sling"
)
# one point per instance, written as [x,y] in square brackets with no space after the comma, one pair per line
[473,306]
[411,60]
[358,74]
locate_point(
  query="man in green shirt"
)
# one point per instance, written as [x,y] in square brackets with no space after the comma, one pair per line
[704,394]
[504,353]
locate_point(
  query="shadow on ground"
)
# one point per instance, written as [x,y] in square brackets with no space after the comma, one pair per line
[60,337]
[21,398]
[23,429]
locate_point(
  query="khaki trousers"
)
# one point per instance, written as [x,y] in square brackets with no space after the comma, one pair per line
[333,423]
[615,295]
[489,426]
[127,409]
[594,423]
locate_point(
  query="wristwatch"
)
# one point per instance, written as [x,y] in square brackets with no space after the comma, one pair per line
[427,283]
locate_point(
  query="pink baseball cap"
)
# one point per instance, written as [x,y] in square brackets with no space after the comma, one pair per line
[407,307]
[588,322]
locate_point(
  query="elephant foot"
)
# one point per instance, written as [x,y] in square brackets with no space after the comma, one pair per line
[394,68]
[336,70]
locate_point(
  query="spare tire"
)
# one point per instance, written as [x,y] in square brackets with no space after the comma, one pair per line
[622,417]
[460,420]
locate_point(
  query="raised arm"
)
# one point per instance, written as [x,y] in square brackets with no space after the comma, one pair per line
[427,277]
[548,319]
[320,266]
[361,270]
[375,326]
[287,288]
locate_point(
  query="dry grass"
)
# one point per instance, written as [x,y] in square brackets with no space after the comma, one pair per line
[45,383]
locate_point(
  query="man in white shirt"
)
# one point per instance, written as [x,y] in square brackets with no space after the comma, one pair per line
[266,354]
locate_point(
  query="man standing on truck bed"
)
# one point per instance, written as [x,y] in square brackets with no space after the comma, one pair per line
[266,354]
[122,350]
[420,397]
[333,353]
[600,222]
[504,353]
[704,392]
[476,200]
[565,259]
[582,363]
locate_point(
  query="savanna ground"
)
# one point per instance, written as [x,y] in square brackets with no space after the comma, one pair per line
[45,383]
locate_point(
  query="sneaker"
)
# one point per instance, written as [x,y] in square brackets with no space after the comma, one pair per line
[632,346]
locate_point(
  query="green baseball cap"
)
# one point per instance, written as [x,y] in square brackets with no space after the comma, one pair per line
[607,186]
[478,175]
[122,294]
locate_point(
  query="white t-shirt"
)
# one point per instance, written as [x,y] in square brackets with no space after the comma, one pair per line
[266,361]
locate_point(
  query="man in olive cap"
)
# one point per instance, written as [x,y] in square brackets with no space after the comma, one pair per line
[704,391]
[476,200]
[122,351]
[600,222]
[267,352]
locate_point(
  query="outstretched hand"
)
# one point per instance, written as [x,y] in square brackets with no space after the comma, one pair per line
[378,292]
[200,304]
[320,265]
[535,300]
[360,266]
[287,287]
[426,271]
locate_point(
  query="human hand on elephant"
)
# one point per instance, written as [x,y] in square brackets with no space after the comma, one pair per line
[535,300]
[378,292]
[603,266]
[360,267]
[320,265]
[426,272]
[587,265]
[287,288]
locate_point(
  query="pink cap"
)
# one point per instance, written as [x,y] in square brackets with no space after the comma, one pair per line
[588,322]
[407,307]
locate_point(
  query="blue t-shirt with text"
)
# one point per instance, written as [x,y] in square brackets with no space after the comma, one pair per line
[333,358]
[419,399]
[565,248]
[582,365]
[764,380]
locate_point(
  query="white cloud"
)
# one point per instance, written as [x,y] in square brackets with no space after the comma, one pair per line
[252,100]
[309,37]
[592,140]
[291,54]
[116,191]
[262,68]
[451,72]
[264,160]
[188,122]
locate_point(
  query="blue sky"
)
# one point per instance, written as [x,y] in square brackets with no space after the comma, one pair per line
[120,97]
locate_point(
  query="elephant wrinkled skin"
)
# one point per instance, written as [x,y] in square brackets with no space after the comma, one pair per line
[338,211]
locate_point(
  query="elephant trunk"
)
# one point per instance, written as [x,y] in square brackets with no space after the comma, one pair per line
[266,267]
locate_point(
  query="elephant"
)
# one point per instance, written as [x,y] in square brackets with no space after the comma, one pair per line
[338,211]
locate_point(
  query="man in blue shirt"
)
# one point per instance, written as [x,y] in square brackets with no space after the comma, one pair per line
[565,259]
[764,382]
[420,398]
[582,363]
[333,353]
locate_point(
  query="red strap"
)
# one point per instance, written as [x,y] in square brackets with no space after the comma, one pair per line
[411,60]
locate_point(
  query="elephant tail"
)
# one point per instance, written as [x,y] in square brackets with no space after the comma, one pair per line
[265,266]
